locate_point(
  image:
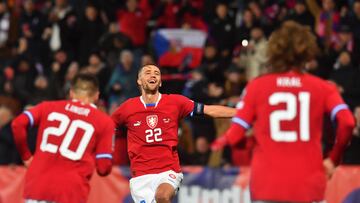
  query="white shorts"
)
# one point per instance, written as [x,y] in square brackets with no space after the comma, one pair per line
[143,188]
[37,201]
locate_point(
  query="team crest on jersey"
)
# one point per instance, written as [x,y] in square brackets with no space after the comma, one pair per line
[152,121]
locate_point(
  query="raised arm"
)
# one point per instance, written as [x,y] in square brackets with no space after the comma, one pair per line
[217,111]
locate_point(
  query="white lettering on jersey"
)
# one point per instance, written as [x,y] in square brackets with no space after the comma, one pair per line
[78,110]
[137,123]
[288,82]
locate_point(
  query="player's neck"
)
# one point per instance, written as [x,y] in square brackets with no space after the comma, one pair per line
[149,98]
[84,100]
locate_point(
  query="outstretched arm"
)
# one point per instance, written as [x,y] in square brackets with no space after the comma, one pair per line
[217,111]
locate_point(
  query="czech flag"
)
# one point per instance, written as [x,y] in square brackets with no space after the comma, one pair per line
[179,47]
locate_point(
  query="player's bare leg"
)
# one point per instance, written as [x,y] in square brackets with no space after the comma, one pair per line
[164,193]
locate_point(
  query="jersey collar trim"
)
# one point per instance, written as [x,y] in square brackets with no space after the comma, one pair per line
[152,104]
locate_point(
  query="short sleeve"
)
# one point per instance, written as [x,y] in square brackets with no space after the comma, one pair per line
[105,141]
[246,107]
[186,105]
[34,113]
[333,102]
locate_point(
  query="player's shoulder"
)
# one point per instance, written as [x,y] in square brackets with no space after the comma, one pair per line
[129,102]
[52,103]
[174,97]
[262,79]
[128,105]
[324,84]
[171,96]
[100,114]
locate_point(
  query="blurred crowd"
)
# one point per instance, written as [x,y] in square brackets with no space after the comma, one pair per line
[44,43]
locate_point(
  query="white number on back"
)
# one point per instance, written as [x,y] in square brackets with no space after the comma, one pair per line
[289,114]
[153,135]
[69,136]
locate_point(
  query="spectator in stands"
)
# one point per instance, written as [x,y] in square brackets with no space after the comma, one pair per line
[248,22]
[60,65]
[69,76]
[121,85]
[255,8]
[6,81]
[327,20]
[8,33]
[42,90]
[147,59]
[32,24]
[254,54]
[193,20]
[347,79]
[234,84]
[132,22]
[8,151]
[24,80]
[222,30]
[112,43]
[353,21]
[62,31]
[212,67]
[301,14]
[167,14]
[202,152]
[342,42]
[98,67]
[91,28]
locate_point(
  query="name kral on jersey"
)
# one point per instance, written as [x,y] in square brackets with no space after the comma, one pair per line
[288,82]
[77,109]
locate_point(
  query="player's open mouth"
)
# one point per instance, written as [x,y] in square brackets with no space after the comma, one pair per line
[152,81]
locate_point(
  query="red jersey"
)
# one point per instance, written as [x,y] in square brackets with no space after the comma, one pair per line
[287,110]
[152,132]
[70,137]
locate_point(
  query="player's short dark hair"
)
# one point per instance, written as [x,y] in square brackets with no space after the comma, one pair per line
[142,67]
[291,46]
[85,82]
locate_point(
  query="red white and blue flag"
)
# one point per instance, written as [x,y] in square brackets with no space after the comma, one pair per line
[179,47]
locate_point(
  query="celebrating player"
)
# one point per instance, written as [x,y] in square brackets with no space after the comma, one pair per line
[71,135]
[152,121]
[286,108]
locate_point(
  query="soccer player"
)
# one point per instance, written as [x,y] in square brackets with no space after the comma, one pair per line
[286,108]
[73,137]
[152,121]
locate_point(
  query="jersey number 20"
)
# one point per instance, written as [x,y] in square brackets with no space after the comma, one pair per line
[289,114]
[74,125]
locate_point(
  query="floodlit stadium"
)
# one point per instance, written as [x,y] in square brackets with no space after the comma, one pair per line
[201,101]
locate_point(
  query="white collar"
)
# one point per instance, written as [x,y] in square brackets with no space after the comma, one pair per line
[156,103]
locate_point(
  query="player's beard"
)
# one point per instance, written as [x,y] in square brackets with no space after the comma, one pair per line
[151,89]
